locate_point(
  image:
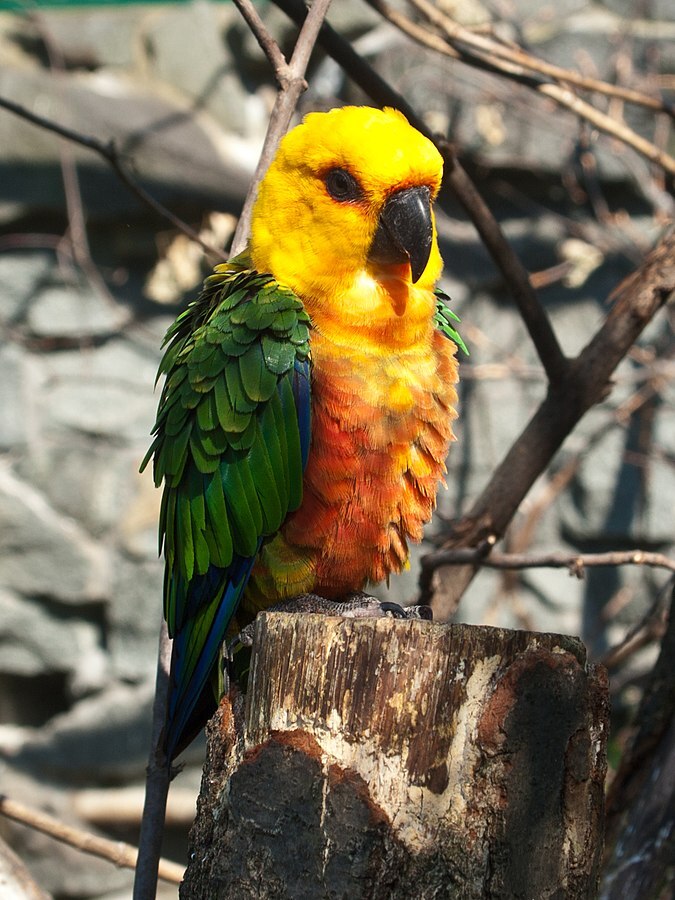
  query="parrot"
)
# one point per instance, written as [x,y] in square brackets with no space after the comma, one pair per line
[309,396]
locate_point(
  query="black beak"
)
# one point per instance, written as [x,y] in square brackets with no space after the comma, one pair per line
[405,231]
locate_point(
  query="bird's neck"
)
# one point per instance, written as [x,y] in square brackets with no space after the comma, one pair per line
[384,313]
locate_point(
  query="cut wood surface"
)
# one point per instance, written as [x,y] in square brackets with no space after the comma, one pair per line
[393,759]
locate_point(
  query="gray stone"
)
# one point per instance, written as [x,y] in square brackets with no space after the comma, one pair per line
[134,619]
[128,362]
[91,39]
[186,49]
[147,336]
[632,9]
[353,18]
[44,554]
[585,43]
[525,12]
[86,479]
[21,276]
[502,123]
[74,311]
[35,641]
[137,527]
[14,399]
[98,409]
[109,392]
[179,153]
[102,738]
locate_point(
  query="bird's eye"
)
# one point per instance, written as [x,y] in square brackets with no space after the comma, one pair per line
[342,186]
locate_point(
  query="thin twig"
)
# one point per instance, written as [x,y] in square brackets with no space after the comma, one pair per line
[158,778]
[108,151]
[567,98]
[516,276]
[454,31]
[575,562]
[635,302]
[267,43]
[116,852]
[559,93]
[291,80]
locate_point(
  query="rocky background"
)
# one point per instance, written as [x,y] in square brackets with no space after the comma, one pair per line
[90,279]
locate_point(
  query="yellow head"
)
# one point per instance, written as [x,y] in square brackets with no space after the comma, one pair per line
[323,217]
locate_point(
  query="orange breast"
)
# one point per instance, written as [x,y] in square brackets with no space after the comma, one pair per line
[382,412]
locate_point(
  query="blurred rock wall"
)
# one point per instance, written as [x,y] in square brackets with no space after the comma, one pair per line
[185,93]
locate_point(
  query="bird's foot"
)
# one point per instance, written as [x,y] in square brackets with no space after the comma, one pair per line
[355,605]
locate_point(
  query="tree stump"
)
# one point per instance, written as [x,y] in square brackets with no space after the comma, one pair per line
[378,758]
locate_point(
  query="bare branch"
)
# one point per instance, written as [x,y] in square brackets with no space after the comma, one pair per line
[636,302]
[15,878]
[567,98]
[291,80]
[108,152]
[157,780]
[454,31]
[575,562]
[116,852]
[493,59]
[267,43]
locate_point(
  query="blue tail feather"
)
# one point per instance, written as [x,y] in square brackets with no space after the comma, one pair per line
[195,655]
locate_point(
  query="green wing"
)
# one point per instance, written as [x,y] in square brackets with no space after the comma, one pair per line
[444,319]
[232,438]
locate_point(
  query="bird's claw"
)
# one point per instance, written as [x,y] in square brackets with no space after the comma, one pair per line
[353,606]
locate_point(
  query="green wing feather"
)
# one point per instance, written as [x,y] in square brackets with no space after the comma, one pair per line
[444,319]
[230,443]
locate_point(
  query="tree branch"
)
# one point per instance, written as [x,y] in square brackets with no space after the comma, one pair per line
[291,80]
[479,51]
[575,562]
[157,780]
[516,55]
[117,852]
[636,302]
[108,152]
[267,43]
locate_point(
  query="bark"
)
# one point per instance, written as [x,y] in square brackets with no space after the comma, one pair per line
[16,882]
[395,759]
[641,802]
